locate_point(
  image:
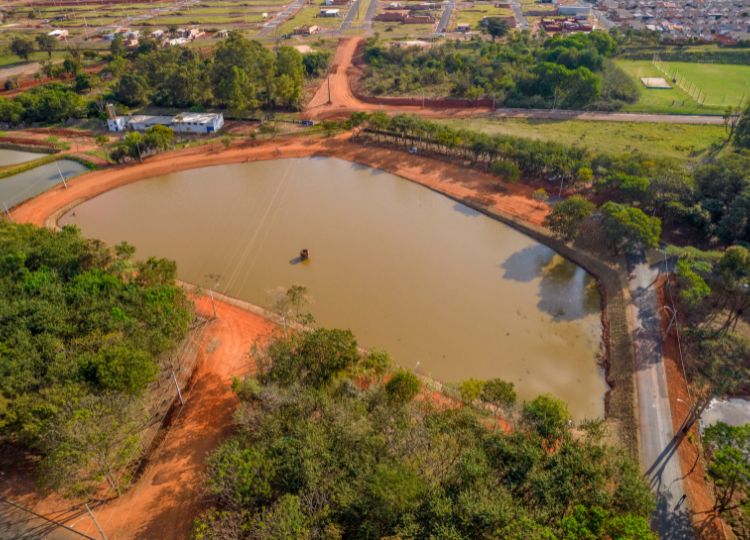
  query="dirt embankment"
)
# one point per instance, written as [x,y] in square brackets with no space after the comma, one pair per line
[699,493]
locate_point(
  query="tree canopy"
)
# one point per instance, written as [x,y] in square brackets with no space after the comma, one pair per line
[81,332]
[326,449]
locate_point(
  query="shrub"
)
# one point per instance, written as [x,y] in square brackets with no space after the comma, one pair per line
[402,388]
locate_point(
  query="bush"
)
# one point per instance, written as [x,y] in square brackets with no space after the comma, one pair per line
[470,390]
[499,392]
[402,388]
[506,169]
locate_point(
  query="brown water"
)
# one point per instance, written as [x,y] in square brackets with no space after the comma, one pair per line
[435,283]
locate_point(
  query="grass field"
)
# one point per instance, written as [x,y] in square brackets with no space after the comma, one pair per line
[658,140]
[471,13]
[723,85]
[309,15]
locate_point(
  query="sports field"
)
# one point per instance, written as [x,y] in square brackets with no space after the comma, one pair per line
[721,85]
[678,141]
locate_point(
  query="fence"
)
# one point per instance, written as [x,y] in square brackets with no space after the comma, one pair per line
[21,523]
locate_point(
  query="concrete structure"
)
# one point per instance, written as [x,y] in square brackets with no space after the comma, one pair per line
[197,123]
[577,11]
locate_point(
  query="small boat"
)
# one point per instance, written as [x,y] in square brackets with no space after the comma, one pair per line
[304,254]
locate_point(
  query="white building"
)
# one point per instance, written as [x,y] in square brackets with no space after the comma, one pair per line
[329,12]
[182,123]
[58,33]
[198,122]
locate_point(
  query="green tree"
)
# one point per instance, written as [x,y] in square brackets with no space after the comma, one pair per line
[90,438]
[495,26]
[290,74]
[117,47]
[499,392]
[46,43]
[471,389]
[239,476]
[132,89]
[253,60]
[693,288]
[742,131]
[312,358]
[402,387]
[629,229]
[22,47]
[733,270]
[566,216]
[284,520]
[547,416]
[728,448]
[158,138]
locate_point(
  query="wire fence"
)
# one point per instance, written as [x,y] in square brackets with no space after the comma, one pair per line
[21,523]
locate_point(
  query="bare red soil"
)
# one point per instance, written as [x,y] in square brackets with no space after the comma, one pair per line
[699,493]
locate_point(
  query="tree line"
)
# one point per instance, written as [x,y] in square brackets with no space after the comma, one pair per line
[572,71]
[82,330]
[332,443]
[240,75]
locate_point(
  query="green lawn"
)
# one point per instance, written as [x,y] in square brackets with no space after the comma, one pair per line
[723,85]
[472,14]
[394,30]
[309,15]
[658,140]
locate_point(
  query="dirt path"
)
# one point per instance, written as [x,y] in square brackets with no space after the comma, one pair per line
[169,494]
[343,102]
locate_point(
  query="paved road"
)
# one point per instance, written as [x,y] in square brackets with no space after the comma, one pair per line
[351,14]
[445,18]
[657,442]
[521,22]
[281,17]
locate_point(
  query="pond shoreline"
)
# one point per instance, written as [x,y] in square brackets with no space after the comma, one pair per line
[513,206]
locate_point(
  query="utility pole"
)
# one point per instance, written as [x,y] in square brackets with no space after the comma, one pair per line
[179,393]
[98,527]
[329,89]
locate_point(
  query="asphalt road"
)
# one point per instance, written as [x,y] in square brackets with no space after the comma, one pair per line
[658,443]
[281,17]
[521,21]
[445,17]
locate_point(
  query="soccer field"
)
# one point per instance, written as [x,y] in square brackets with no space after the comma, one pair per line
[721,84]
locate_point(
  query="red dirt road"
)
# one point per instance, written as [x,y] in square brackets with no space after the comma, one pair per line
[344,102]
[169,495]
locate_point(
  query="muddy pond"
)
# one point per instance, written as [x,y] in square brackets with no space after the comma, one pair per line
[446,290]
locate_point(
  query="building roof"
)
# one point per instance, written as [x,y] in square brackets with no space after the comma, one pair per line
[150,119]
[196,118]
